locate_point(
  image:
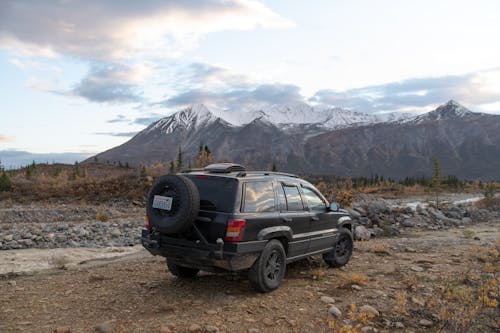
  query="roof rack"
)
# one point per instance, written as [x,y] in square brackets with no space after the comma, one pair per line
[191,170]
[224,168]
[267,173]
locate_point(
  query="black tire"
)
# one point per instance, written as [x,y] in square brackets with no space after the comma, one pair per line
[185,204]
[269,269]
[181,271]
[342,250]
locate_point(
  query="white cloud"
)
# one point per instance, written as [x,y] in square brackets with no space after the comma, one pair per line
[7,138]
[117,30]
[471,89]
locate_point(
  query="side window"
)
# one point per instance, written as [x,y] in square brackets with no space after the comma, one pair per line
[313,200]
[293,199]
[259,197]
[281,197]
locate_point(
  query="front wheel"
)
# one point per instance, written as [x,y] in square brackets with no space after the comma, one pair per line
[269,269]
[342,250]
[181,271]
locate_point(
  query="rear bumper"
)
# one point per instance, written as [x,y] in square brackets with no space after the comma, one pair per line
[228,256]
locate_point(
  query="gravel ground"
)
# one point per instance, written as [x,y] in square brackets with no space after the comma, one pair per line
[136,294]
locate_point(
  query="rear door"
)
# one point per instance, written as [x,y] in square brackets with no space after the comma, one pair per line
[258,207]
[293,214]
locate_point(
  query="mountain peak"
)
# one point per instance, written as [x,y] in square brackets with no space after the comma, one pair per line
[452,109]
[193,116]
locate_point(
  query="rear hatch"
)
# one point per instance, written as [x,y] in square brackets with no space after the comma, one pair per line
[218,199]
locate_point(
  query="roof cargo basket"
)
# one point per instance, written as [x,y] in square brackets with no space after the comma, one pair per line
[224,168]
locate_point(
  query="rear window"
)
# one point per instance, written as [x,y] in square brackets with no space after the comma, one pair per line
[216,193]
[259,197]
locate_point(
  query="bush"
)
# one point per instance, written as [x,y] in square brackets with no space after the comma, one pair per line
[58,261]
[489,191]
[101,216]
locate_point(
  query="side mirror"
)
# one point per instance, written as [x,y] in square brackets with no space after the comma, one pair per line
[334,207]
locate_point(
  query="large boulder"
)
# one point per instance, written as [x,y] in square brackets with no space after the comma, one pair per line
[362,233]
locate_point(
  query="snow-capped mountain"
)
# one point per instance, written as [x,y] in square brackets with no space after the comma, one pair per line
[449,111]
[285,117]
[305,139]
[193,117]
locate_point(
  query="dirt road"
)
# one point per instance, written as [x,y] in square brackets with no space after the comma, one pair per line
[401,278]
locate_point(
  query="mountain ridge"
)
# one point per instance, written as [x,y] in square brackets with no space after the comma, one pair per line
[467,143]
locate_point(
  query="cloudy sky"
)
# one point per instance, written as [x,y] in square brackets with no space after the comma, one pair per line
[82,76]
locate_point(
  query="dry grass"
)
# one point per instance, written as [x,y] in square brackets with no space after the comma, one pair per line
[465,302]
[467,233]
[401,301]
[489,203]
[93,182]
[58,261]
[353,322]
[380,248]
[346,280]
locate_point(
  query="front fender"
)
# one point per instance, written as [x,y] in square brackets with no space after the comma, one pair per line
[345,222]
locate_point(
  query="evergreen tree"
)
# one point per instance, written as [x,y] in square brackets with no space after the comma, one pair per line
[5,183]
[436,180]
[77,170]
[143,172]
[179,159]
[172,167]
[204,156]
[29,172]
[489,190]
[274,168]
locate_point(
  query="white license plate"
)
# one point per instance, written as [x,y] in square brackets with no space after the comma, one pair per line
[161,202]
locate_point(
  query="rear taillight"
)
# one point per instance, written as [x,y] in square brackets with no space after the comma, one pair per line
[235,229]
[148,225]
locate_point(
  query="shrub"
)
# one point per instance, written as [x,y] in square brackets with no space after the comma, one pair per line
[58,261]
[101,215]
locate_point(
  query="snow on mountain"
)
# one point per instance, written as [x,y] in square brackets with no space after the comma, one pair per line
[283,116]
[199,115]
[450,110]
[195,116]
[395,116]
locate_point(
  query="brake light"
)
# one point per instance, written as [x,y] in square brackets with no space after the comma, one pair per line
[201,176]
[148,225]
[235,229]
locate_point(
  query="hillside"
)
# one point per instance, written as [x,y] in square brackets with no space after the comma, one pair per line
[332,141]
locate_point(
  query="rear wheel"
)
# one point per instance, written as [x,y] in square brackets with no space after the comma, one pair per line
[342,250]
[181,271]
[269,269]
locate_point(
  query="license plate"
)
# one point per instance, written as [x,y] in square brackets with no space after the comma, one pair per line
[161,202]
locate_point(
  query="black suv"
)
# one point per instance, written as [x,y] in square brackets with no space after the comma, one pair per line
[224,217]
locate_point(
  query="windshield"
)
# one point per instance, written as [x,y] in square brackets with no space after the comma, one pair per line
[216,193]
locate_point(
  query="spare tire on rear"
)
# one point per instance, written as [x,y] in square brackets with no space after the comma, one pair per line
[184,206]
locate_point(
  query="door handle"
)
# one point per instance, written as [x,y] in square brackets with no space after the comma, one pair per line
[286,219]
[314,218]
